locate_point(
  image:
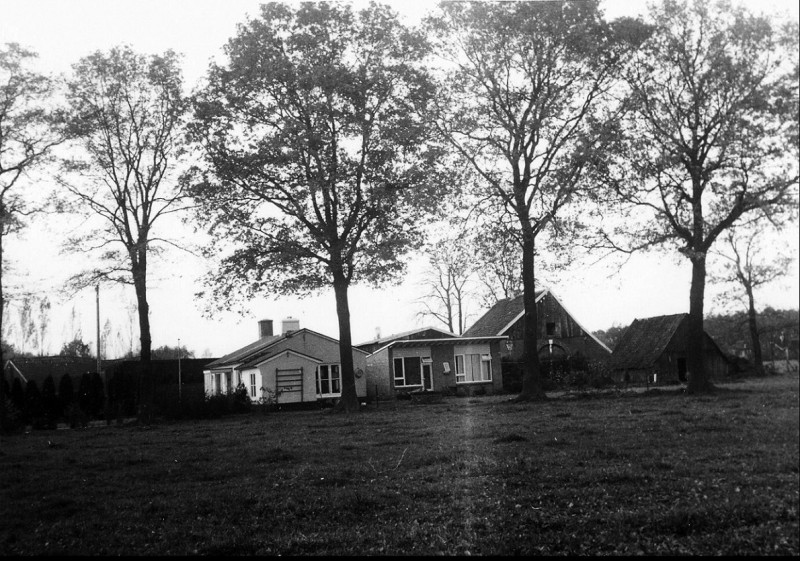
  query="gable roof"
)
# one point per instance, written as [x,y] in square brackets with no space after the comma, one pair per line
[645,340]
[463,340]
[261,349]
[501,316]
[245,352]
[38,368]
[258,361]
[405,335]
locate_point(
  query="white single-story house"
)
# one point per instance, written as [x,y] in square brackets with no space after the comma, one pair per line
[297,366]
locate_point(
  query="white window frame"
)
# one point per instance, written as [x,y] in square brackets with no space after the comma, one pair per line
[330,369]
[400,381]
[252,384]
[485,368]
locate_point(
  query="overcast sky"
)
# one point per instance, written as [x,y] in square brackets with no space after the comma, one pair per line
[62,31]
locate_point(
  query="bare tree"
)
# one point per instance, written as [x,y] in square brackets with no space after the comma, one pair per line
[747,265]
[126,111]
[447,283]
[43,322]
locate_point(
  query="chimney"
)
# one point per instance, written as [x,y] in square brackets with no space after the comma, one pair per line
[377,333]
[264,328]
[290,324]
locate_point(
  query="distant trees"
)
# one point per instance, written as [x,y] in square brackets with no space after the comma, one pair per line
[710,138]
[125,115]
[317,167]
[76,348]
[165,352]
[27,135]
[611,336]
[523,103]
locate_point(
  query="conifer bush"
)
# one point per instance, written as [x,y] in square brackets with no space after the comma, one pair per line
[66,392]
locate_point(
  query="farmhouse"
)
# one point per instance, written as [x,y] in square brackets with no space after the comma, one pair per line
[456,365]
[654,350]
[559,334]
[297,366]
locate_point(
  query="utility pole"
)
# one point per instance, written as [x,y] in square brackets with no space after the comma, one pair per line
[180,352]
[97,293]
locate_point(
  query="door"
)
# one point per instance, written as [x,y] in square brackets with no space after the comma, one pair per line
[682,369]
[427,377]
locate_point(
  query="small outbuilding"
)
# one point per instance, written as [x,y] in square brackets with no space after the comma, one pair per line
[654,350]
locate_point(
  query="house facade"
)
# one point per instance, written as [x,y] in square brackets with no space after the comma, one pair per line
[453,365]
[296,366]
[559,334]
[653,350]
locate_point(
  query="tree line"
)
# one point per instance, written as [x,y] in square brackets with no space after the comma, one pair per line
[319,152]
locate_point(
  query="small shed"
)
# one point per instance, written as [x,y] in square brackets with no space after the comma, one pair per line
[654,350]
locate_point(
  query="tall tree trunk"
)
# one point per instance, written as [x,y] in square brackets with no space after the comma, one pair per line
[147,389]
[699,381]
[752,324]
[2,315]
[349,400]
[531,382]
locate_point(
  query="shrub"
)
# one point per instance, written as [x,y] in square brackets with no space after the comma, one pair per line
[34,411]
[96,395]
[85,393]
[50,404]
[76,417]
[18,395]
[66,392]
[12,418]
[240,401]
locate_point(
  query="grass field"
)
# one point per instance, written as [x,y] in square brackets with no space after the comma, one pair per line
[648,473]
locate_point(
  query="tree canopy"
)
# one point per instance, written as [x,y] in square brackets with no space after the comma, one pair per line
[709,139]
[125,116]
[316,165]
[523,101]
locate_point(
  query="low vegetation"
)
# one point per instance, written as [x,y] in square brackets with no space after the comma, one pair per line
[609,472]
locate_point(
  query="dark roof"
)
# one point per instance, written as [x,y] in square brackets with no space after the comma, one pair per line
[499,316]
[261,357]
[645,340]
[40,367]
[420,333]
[245,353]
[261,349]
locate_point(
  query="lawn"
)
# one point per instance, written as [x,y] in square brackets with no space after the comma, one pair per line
[615,473]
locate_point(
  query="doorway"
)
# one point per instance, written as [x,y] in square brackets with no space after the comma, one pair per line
[427,377]
[682,369]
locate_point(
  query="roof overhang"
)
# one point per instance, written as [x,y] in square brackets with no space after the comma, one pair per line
[454,341]
[281,354]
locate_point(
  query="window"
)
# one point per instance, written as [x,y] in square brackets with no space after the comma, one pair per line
[473,368]
[407,371]
[228,381]
[329,380]
[551,328]
[252,384]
